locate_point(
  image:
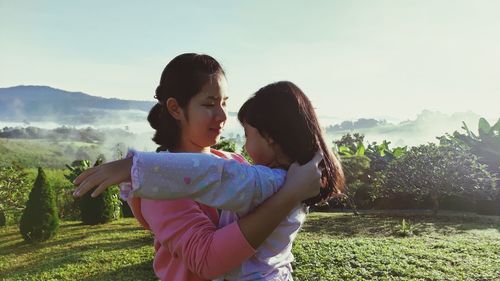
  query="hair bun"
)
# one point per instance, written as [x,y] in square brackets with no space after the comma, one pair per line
[154,116]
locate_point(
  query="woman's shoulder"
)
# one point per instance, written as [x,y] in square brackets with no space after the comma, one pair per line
[228,155]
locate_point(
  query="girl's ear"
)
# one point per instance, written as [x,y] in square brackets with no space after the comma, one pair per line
[269,140]
[174,109]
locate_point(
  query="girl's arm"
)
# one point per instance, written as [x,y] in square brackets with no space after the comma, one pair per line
[205,178]
[301,182]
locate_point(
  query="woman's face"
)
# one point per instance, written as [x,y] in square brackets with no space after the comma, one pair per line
[205,115]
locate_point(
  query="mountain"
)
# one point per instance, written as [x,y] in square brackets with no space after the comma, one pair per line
[425,128]
[46,104]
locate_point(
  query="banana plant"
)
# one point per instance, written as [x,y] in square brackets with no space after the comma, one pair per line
[485,144]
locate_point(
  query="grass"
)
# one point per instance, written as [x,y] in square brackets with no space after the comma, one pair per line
[331,246]
[452,246]
[33,153]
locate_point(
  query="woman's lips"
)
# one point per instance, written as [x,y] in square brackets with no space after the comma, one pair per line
[216,130]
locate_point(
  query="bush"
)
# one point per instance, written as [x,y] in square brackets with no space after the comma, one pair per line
[225,145]
[433,171]
[14,190]
[488,207]
[126,211]
[39,220]
[101,209]
[485,145]
[67,206]
[355,170]
[3,219]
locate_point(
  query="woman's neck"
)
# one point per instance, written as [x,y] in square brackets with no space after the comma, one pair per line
[191,148]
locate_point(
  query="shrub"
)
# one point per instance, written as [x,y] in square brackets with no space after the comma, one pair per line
[431,170]
[126,211]
[14,190]
[355,170]
[3,219]
[39,220]
[225,145]
[101,209]
[485,145]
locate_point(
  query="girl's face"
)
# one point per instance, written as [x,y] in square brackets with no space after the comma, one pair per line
[258,147]
[205,116]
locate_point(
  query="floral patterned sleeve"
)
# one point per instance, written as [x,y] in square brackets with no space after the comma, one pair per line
[205,178]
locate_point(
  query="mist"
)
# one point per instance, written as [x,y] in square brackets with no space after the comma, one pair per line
[120,130]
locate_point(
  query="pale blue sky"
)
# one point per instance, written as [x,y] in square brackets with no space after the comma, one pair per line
[352,58]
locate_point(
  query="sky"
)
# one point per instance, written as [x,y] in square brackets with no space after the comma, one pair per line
[379,59]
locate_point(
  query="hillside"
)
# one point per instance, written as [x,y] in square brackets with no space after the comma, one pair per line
[46,104]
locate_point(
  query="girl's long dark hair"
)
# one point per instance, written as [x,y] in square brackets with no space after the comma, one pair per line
[283,112]
[182,79]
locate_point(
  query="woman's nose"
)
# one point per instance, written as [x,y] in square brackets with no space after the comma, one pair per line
[221,114]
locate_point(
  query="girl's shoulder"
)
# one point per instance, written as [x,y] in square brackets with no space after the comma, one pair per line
[228,155]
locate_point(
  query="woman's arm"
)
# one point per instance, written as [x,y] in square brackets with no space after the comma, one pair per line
[185,230]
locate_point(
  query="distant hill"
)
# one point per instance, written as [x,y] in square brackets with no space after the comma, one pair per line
[425,128]
[42,103]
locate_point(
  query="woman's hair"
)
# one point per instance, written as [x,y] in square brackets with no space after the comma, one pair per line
[182,79]
[282,112]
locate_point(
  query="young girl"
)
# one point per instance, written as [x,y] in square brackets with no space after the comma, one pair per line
[188,118]
[275,136]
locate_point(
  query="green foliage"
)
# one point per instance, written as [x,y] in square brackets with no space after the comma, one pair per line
[349,145]
[380,156]
[245,155]
[405,229]
[3,219]
[361,165]
[66,204]
[485,145]
[39,220]
[101,209]
[355,168]
[14,188]
[430,170]
[225,145]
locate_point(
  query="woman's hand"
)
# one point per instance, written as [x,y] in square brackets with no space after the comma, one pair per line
[103,176]
[303,182]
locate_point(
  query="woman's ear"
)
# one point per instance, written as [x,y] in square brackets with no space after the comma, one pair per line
[174,109]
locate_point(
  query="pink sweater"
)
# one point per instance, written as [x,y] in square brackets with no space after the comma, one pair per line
[188,245]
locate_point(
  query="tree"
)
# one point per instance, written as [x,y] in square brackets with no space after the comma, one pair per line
[39,220]
[431,170]
[14,189]
[101,209]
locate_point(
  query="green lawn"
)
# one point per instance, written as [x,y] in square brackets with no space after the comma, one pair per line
[32,153]
[331,246]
